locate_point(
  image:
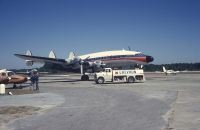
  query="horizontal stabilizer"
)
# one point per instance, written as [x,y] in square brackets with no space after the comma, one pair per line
[40,59]
[52,55]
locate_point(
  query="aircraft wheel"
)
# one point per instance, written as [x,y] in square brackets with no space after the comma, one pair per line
[100,80]
[131,79]
[84,77]
[14,86]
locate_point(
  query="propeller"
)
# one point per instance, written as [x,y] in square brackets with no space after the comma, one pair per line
[81,61]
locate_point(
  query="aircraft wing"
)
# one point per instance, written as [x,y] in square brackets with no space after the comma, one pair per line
[42,59]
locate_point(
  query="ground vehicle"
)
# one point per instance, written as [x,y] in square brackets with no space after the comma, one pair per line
[109,75]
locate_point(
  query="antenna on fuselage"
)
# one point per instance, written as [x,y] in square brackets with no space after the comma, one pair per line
[129,48]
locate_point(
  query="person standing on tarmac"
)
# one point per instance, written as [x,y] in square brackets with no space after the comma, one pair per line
[35,79]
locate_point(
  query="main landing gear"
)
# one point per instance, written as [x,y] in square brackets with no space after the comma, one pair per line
[84,77]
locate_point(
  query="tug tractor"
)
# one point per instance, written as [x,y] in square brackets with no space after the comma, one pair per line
[126,76]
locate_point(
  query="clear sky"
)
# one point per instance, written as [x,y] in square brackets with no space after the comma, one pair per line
[168,30]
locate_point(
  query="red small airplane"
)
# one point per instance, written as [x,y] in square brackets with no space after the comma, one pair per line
[4,80]
[9,77]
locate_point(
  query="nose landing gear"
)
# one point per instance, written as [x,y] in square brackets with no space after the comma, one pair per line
[84,77]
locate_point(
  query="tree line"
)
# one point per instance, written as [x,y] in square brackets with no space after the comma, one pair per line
[175,66]
[55,68]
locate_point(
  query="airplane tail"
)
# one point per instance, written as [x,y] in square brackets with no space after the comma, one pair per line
[29,62]
[71,55]
[52,54]
[164,70]
[29,53]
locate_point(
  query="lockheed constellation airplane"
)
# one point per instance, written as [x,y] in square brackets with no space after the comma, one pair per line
[92,60]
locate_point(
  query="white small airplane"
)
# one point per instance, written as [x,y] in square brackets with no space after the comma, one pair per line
[169,71]
[92,60]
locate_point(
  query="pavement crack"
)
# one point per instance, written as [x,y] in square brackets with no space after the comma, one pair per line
[169,116]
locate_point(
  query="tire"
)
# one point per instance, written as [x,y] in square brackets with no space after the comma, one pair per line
[131,79]
[87,77]
[84,77]
[100,80]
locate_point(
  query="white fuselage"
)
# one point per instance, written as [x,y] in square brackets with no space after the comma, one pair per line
[118,56]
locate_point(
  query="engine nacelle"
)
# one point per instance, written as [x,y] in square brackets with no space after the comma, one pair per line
[99,63]
[29,62]
[86,64]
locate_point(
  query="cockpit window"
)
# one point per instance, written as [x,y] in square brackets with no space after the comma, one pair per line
[10,73]
[107,70]
[3,74]
[139,54]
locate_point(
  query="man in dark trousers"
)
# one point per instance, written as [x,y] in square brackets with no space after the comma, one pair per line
[35,79]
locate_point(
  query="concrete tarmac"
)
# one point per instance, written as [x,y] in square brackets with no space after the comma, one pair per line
[66,103]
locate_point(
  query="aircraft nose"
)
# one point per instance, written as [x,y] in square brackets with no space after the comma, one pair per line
[149,59]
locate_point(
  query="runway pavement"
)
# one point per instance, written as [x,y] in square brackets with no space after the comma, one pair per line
[66,103]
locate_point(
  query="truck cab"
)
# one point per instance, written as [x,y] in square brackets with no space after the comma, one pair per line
[106,74]
[109,75]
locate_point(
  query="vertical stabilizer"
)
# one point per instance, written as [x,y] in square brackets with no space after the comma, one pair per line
[164,70]
[52,54]
[29,53]
[71,55]
[29,62]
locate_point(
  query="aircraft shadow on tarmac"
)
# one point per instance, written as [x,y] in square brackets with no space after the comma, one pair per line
[21,86]
[62,80]
[56,79]
[65,80]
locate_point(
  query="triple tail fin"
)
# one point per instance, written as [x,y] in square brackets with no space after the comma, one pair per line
[52,54]
[71,55]
[29,53]
[29,62]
